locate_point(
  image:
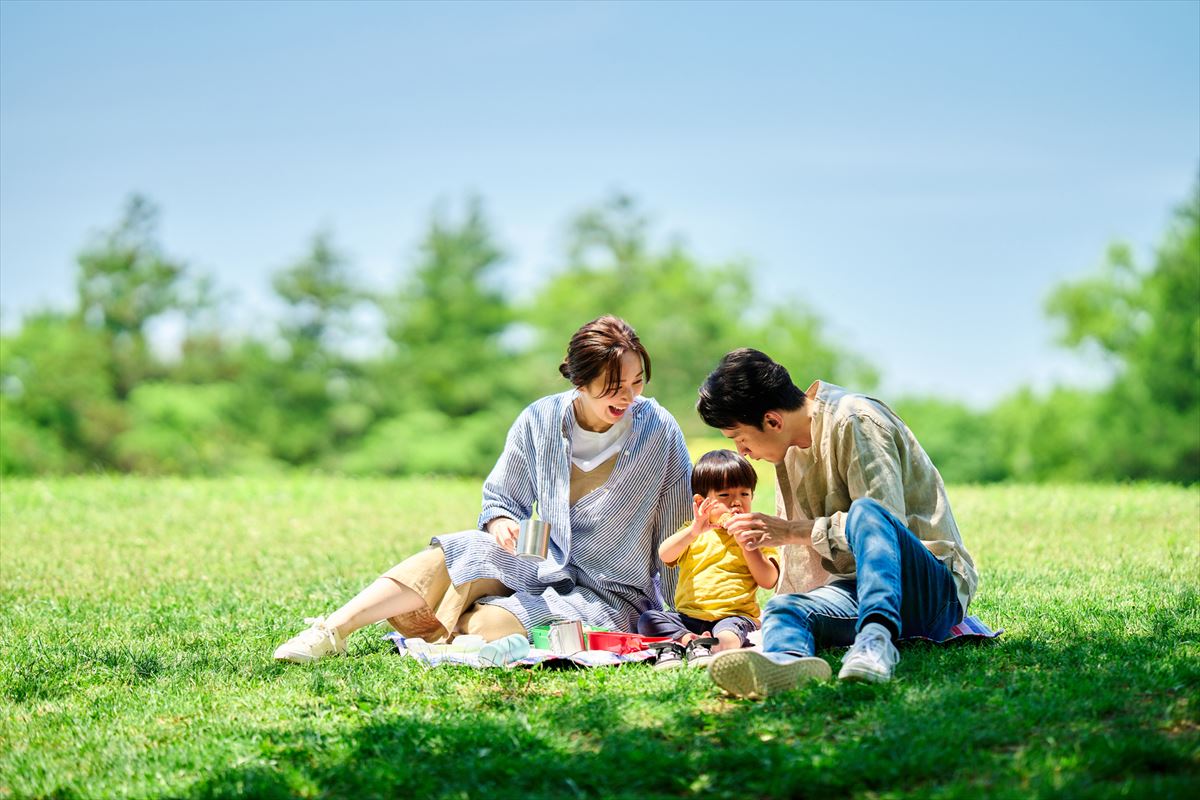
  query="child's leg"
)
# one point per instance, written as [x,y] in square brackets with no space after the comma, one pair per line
[732,632]
[663,623]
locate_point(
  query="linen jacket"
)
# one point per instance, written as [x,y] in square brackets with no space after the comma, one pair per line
[608,541]
[860,448]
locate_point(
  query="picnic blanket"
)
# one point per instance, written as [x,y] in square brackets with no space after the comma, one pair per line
[971,628]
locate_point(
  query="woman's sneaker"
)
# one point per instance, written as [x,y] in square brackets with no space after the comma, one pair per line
[699,651]
[670,655]
[872,657]
[312,644]
[749,673]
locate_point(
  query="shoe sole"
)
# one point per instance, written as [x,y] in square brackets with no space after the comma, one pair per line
[668,666]
[860,675]
[750,674]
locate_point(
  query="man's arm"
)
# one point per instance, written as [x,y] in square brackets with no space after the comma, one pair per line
[867,451]
[756,530]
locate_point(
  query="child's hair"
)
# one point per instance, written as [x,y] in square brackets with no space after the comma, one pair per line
[722,469]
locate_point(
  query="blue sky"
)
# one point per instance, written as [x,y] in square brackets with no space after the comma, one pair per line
[920,174]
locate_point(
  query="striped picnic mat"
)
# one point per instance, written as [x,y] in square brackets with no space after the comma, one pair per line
[433,656]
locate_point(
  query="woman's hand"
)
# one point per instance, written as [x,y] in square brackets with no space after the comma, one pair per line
[752,531]
[504,531]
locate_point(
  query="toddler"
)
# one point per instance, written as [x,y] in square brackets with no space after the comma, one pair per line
[716,600]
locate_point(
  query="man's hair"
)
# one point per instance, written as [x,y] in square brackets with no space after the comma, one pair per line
[743,388]
[722,469]
[596,349]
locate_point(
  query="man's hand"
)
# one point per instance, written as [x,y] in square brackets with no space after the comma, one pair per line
[755,530]
[504,531]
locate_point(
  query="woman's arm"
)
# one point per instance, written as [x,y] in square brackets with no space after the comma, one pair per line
[509,491]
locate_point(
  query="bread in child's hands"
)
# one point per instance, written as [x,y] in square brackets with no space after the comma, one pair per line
[720,515]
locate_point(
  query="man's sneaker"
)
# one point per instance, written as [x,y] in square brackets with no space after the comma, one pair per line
[749,673]
[872,657]
[699,651]
[670,655]
[312,644]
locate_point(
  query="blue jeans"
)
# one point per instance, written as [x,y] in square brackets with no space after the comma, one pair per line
[899,583]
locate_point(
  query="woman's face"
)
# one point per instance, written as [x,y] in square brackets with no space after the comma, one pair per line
[596,411]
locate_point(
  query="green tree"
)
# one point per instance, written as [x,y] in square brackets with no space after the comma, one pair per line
[688,314]
[447,319]
[59,410]
[1147,322]
[964,444]
[451,385]
[124,281]
[319,291]
[301,397]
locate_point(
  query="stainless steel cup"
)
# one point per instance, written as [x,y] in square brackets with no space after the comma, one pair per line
[533,539]
[566,638]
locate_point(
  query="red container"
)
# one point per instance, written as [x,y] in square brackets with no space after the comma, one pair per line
[621,643]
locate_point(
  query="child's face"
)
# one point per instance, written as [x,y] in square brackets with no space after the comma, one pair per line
[735,499]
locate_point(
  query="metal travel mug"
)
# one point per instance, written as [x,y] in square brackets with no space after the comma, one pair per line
[566,638]
[533,539]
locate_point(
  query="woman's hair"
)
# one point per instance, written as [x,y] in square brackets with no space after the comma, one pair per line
[743,388]
[722,469]
[596,349]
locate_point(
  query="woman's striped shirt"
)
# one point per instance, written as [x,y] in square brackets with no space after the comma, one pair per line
[603,560]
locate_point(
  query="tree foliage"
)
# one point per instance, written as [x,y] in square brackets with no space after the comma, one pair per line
[1147,321]
[83,390]
[687,314]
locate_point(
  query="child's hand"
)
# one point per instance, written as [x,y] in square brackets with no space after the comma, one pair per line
[702,508]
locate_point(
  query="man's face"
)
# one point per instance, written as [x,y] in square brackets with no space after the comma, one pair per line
[768,444]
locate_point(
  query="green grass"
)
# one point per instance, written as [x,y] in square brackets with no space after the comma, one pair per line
[140,615]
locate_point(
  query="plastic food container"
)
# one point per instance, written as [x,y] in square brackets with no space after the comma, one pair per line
[620,642]
[540,637]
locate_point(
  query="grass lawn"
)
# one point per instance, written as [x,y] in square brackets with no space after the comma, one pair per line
[139,618]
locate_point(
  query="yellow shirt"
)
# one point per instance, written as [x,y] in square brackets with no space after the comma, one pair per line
[715,580]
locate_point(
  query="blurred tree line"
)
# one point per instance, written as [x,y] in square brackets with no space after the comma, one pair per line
[84,390]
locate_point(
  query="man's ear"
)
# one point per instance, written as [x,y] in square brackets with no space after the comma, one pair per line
[772,421]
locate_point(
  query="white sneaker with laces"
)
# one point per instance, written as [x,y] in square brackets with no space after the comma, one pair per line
[872,657]
[312,644]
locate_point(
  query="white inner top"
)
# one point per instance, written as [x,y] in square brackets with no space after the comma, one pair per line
[590,449]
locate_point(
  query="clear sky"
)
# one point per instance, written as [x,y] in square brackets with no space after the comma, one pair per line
[920,174]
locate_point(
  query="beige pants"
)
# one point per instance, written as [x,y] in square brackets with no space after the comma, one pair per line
[449,609]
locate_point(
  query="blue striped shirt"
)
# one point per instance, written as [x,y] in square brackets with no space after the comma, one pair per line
[603,554]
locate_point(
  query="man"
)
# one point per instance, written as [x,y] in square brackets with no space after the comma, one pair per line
[870,549]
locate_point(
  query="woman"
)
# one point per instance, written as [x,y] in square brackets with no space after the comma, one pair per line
[605,467]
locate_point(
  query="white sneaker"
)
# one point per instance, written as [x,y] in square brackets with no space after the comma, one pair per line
[312,644]
[749,673]
[872,657]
